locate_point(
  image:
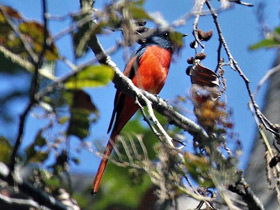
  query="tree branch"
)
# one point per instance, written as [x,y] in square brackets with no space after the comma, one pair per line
[200,4]
[27,188]
[126,86]
[58,83]
[33,90]
[234,65]
[20,203]
[268,74]
[242,188]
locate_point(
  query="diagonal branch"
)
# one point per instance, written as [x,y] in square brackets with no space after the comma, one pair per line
[20,35]
[38,195]
[58,83]
[242,189]
[126,86]
[21,203]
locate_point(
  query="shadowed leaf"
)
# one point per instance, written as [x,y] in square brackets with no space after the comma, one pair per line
[5,150]
[82,35]
[34,33]
[83,112]
[39,157]
[12,13]
[33,153]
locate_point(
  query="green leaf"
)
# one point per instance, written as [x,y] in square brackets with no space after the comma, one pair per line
[35,36]
[266,43]
[38,157]
[277,30]
[82,35]
[5,150]
[198,168]
[273,40]
[53,181]
[32,33]
[12,13]
[79,123]
[63,120]
[83,113]
[33,153]
[91,76]
[137,11]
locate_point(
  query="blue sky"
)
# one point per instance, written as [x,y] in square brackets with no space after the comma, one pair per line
[240,28]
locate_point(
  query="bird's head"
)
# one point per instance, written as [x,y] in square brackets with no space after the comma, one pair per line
[167,39]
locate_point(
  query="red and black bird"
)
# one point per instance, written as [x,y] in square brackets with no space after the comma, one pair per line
[148,69]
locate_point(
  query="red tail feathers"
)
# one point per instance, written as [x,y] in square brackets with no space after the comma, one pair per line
[103,163]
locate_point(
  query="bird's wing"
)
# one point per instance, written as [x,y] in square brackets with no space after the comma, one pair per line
[130,72]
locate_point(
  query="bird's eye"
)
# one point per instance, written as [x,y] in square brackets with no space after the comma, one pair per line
[166,34]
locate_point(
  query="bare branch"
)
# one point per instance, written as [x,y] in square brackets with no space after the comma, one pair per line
[234,65]
[243,189]
[58,83]
[195,24]
[20,203]
[268,74]
[38,195]
[33,90]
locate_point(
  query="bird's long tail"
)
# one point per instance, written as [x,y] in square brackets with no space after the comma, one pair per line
[103,163]
[126,113]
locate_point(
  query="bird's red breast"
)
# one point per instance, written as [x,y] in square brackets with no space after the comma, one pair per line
[152,69]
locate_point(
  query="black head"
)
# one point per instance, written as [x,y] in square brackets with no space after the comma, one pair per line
[166,39]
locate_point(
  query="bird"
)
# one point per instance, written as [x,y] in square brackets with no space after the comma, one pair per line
[148,69]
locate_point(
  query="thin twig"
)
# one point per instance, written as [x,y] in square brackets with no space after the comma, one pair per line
[58,83]
[38,195]
[33,90]
[268,74]
[146,118]
[145,152]
[66,31]
[134,149]
[24,63]
[152,119]
[269,154]
[126,149]
[195,24]
[183,19]
[21,203]
[234,65]
[242,189]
